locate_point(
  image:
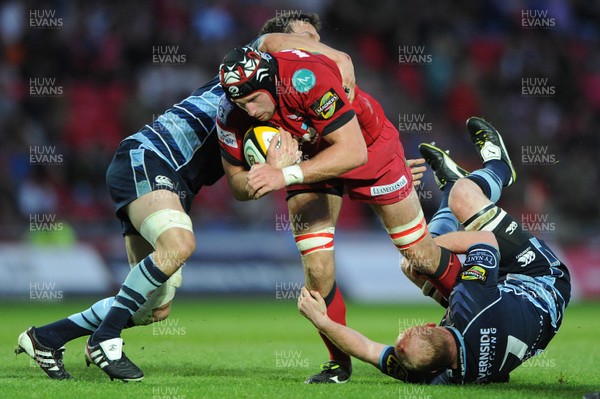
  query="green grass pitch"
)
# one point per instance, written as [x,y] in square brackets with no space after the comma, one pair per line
[264,349]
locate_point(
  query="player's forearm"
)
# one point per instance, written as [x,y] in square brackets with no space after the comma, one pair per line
[352,342]
[346,152]
[460,241]
[237,180]
[237,185]
[328,164]
[274,42]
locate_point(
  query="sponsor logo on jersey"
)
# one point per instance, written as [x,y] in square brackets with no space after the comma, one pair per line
[164,181]
[227,138]
[526,257]
[394,368]
[511,227]
[481,257]
[487,352]
[327,105]
[303,80]
[475,273]
[389,188]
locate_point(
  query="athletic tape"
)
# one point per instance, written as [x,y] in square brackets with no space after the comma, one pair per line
[160,221]
[321,240]
[409,234]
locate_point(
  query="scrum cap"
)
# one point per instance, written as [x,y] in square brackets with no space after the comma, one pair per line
[245,70]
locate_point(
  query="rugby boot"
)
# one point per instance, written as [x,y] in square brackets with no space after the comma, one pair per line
[109,356]
[331,373]
[50,360]
[489,144]
[445,170]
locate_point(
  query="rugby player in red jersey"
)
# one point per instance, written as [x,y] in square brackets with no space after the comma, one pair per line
[153,180]
[347,147]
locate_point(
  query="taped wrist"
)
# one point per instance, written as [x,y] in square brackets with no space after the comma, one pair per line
[293,175]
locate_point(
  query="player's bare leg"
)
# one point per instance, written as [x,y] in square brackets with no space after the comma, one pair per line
[405,222]
[471,198]
[161,220]
[317,215]
[45,344]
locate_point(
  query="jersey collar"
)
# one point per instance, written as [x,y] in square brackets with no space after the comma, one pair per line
[458,375]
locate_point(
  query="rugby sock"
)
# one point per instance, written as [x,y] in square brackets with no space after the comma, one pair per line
[91,318]
[494,175]
[336,310]
[140,281]
[447,271]
[77,325]
[500,169]
[443,221]
[55,335]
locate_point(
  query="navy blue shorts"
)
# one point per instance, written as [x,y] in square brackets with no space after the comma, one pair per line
[135,171]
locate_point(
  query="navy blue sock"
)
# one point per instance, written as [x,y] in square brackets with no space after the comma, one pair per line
[55,335]
[489,182]
[500,168]
[140,282]
[444,220]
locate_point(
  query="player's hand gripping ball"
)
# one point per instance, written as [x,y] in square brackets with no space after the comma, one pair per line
[256,142]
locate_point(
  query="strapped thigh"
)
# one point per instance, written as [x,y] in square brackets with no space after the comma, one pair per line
[409,234]
[160,221]
[321,240]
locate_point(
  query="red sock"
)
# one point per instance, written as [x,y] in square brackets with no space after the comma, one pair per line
[336,310]
[448,270]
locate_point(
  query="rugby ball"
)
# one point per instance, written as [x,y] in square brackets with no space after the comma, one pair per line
[256,142]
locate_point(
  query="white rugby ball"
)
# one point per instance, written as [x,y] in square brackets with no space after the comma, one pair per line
[256,142]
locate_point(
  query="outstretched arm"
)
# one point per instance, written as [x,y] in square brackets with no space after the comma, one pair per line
[312,306]
[273,42]
[460,241]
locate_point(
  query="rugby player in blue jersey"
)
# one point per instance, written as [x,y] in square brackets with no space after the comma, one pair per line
[508,301]
[153,179]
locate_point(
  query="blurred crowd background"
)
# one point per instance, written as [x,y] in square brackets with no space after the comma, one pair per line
[102,84]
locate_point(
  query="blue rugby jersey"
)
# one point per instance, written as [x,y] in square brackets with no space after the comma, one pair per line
[496,324]
[185,137]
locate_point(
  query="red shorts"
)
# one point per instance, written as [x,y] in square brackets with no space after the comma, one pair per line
[385,178]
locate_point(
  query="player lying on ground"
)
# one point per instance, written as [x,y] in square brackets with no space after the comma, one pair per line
[347,146]
[153,179]
[508,301]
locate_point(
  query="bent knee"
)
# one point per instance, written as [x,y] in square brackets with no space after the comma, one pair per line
[460,198]
[176,244]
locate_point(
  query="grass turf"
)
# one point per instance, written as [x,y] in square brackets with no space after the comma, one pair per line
[265,349]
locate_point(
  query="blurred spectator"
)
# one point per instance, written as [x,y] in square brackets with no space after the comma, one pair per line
[103,84]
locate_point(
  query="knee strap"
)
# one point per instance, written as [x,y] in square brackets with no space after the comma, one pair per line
[487,218]
[409,234]
[321,240]
[160,221]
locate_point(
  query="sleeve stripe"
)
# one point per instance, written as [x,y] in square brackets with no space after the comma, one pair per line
[338,122]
